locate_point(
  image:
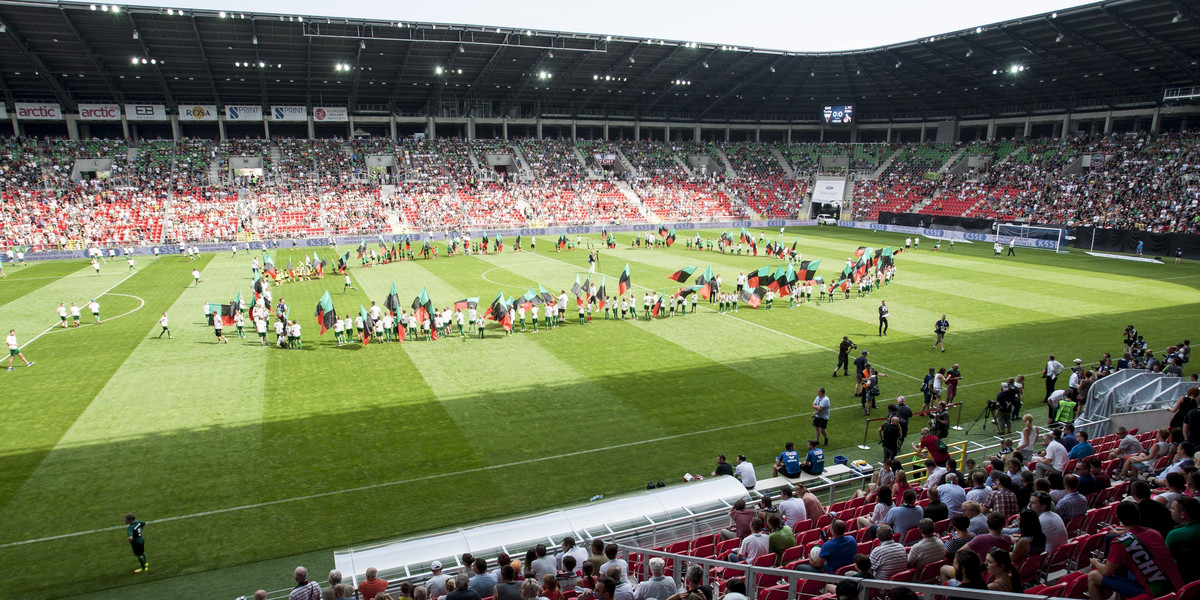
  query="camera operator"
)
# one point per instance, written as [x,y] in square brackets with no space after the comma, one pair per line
[843,362]
[1003,407]
[939,421]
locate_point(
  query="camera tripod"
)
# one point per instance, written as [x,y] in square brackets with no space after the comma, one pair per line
[986,415]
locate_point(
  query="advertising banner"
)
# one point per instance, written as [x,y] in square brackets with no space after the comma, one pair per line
[242,112]
[34,111]
[829,191]
[289,113]
[145,112]
[331,114]
[99,112]
[197,112]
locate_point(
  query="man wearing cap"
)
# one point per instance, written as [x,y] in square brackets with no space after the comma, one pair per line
[745,472]
[373,584]
[436,584]
[723,468]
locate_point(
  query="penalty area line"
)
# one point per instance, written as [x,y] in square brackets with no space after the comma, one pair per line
[50,328]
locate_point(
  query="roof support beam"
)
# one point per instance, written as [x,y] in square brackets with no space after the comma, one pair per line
[666,87]
[608,69]
[162,81]
[105,76]
[204,58]
[43,70]
[262,76]
[746,81]
[355,75]
[395,92]
[1149,39]
[531,76]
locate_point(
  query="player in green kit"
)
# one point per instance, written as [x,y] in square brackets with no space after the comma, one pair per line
[133,528]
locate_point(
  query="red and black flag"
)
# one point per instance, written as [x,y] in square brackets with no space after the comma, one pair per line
[362,247]
[577,289]
[318,263]
[562,241]
[517,244]
[753,297]
[860,251]
[602,293]
[422,307]
[546,296]
[760,277]
[778,277]
[326,316]
[682,275]
[746,237]
[229,310]
[268,264]
[392,302]
[499,312]
[499,243]
[688,291]
[708,281]
[662,231]
[623,284]
[808,269]
[670,238]
[343,261]
[466,304]
[786,280]
[256,286]
[291,271]
[658,304]
[885,258]
[368,324]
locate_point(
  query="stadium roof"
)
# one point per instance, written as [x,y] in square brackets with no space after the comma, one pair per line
[1117,54]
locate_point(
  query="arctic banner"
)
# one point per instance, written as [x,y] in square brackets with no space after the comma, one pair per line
[289,113]
[243,112]
[145,112]
[331,114]
[197,112]
[32,111]
[99,112]
[829,191]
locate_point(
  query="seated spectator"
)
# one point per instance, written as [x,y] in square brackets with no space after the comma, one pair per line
[781,537]
[754,545]
[979,491]
[906,516]
[791,508]
[883,503]
[610,552]
[1072,503]
[834,554]
[507,588]
[329,593]
[460,589]
[1142,553]
[935,474]
[928,550]
[965,572]
[1184,540]
[1005,577]
[1183,459]
[373,584]
[1083,448]
[889,557]
[623,590]
[812,505]
[973,511]
[482,583]
[1155,515]
[741,517]
[1002,499]
[658,586]
[1029,539]
[936,510]
[1176,484]
[1054,457]
[952,494]
[544,564]
[1128,446]
[994,538]
[1053,526]
[1144,461]
[960,535]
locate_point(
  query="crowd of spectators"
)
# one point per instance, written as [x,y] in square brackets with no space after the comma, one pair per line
[761,182]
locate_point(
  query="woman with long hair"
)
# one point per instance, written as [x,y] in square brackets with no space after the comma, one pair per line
[1145,460]
[966,572]
[1028,436]
[901,482]
[1183,406]
[883,503]
[1030,539]
[999,565]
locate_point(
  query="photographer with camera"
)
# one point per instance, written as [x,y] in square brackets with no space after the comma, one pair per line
[843,362]
[1002,407]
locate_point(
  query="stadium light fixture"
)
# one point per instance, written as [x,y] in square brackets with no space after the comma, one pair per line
[898,63]
[300,19]
[1058,39]
[153,61]
[135,34]
[170,12]
[254,40]
[362,44]
[970,52]
[549,54]
[1053,15]
[135,60]
[706,64]
[116,8]
[772,68]
[1177,18]
[222,13]
[104,8]
[978,30]
[439,70]
[461,49]
[93,7]
[631,60]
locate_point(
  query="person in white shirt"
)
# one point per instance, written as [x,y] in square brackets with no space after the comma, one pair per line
[1052,524]
[1055,457]
[338,329]
[95,308]
[62,314]
[744,471]
[280,336]
[260,327]
[1053,369]
[162,322]
[14,350]
[791,508]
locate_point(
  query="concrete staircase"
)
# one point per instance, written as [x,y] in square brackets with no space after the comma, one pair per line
[522,162]
[883,166]
[633,196]
[730,173]
[783,162]
[683,165]
[950,162]
[214,171]
[625,162]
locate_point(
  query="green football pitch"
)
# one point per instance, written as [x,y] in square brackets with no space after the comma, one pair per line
[246,461]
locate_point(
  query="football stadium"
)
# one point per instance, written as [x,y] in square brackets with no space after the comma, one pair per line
[306,306]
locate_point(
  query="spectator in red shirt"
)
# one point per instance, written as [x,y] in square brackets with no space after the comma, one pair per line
[373,584]
[929,443]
